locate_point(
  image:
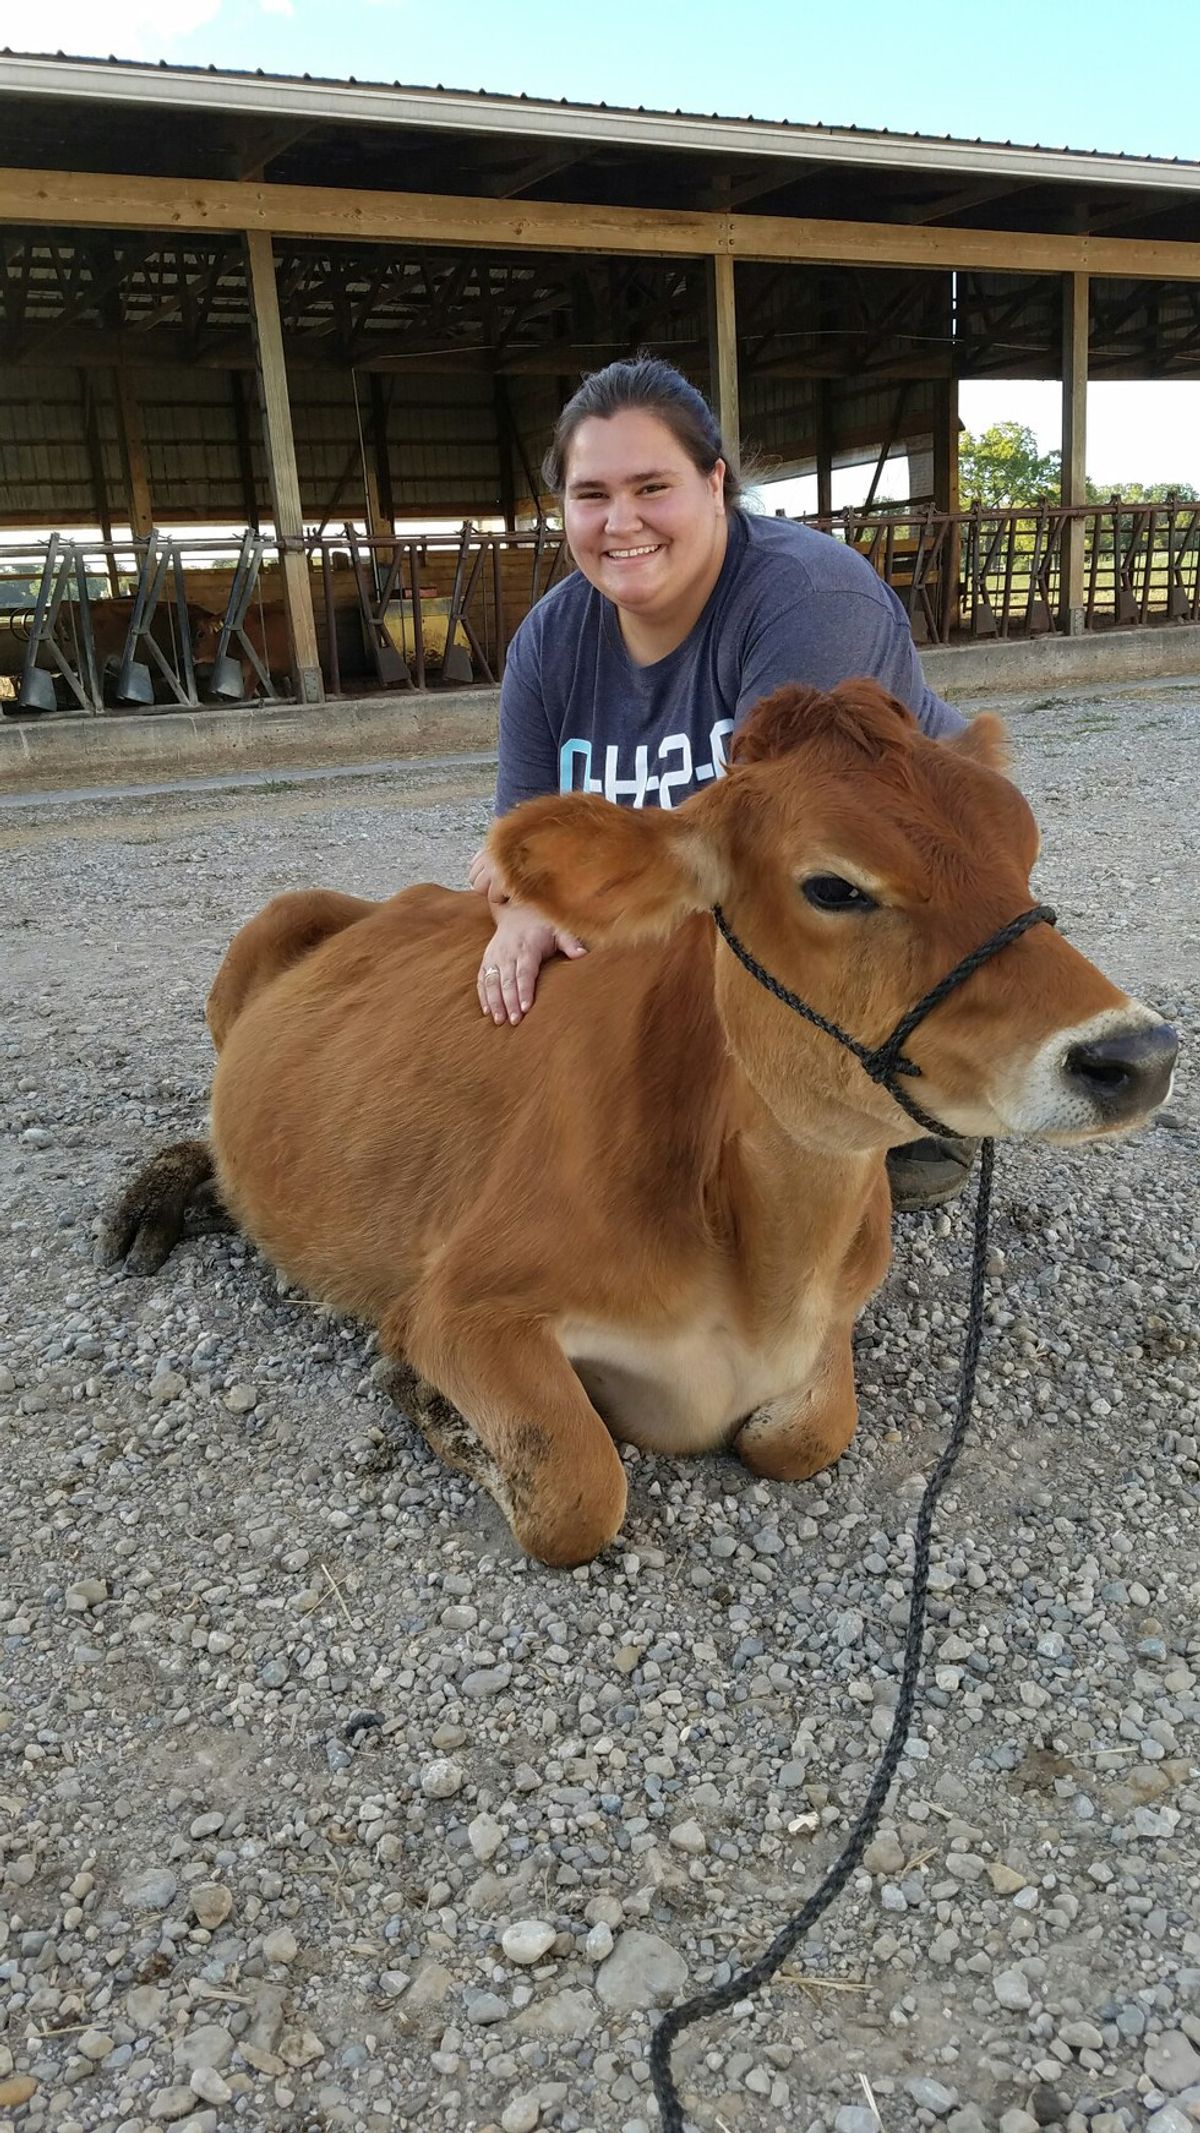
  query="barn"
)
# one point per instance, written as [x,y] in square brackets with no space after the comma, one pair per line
[279,359]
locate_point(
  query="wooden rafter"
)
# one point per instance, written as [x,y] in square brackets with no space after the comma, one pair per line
[1147,204]
[185,296]
[99,287]
[532,170]
[761,183]
[964,198]
[252,160]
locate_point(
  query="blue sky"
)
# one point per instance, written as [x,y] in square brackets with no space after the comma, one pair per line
[1062,72]
[1065,73]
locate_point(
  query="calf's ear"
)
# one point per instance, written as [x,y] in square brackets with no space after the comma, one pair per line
[608,873]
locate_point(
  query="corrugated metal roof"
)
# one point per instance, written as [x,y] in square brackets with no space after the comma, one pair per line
[485,112]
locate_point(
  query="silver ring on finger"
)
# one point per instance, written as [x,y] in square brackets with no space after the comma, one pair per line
[490,970]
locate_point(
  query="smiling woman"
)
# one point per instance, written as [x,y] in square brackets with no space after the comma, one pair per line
[685,611]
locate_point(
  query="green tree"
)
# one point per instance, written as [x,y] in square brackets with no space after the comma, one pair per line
[1137,492]
[1004,466]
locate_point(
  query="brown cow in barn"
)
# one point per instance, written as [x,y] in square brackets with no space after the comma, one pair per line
[654,1209]
[110,618]
[266,628]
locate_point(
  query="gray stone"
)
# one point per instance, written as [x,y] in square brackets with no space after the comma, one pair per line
[689,1837]
[485,1836]
[487,1680]
[1011,1988]
[151,1888]
[209,2084]
[885,1855]
[144,2004]
[527,1940]
[563,2014]
[642,1971]
[931,2095]
[1172,2062]
[485,2008]
[206,2045]
[442,1779]
[173,2103]
[1082,2036]
[855,2118]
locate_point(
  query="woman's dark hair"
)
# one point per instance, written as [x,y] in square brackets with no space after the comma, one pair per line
[653,387]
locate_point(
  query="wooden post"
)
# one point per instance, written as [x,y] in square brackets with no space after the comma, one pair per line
[824,444]
[133,456]
[281,466]
[946,493]
[1074,446]
[241,429]
[722,345]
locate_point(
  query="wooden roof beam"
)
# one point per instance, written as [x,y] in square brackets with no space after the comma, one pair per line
[91,199]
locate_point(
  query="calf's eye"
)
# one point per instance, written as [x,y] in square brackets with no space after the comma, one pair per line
[828,892]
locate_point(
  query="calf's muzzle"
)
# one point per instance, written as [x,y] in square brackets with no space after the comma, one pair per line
[1127,1073]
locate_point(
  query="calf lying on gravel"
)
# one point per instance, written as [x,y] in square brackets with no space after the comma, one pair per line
[653,1210]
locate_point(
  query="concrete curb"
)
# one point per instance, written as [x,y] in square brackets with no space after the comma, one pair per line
[1028,664]
[150,746]
[57,751]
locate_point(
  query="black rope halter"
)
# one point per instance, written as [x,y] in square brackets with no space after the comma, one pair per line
[887,1061]
[884,1065]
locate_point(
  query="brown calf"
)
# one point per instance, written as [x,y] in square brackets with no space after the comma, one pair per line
[265,626]
[653,1210]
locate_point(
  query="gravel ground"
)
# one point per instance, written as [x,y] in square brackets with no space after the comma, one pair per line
[321,1808]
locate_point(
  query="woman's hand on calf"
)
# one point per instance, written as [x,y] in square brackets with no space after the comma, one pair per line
[508,974]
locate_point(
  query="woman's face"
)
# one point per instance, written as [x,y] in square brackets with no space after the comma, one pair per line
[645,526]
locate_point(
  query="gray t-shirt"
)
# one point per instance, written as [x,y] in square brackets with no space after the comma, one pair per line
[791,604]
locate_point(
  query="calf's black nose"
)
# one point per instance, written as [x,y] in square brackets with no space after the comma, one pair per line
[1128,1073]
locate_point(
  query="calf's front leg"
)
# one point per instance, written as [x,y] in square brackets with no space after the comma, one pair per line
[795,1436]
[496,1398]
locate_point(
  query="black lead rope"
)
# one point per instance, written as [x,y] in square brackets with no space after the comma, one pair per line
[882,1065]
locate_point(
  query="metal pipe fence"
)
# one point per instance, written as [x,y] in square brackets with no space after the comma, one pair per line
[1001,572]
[428,610]
[92,626]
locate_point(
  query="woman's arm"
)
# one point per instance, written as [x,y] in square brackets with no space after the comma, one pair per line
[528,746]
[528,767]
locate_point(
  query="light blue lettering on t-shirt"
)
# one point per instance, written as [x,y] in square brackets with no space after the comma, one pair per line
[679,774]
[566,767]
